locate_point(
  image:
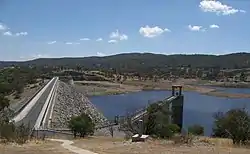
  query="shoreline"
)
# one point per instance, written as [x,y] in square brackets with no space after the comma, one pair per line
[97,88]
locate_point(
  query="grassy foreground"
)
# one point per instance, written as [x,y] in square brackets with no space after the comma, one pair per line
[104,145]
[108,145]
[34,147]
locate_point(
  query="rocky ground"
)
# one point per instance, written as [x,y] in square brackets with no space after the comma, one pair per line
[70,102]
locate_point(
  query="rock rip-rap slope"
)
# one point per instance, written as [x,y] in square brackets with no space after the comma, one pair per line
[70,102]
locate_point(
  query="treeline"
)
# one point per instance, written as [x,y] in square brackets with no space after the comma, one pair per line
[146,62]
[14,79]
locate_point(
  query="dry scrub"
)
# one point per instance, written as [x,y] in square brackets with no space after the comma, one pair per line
[33,147]
[118,146]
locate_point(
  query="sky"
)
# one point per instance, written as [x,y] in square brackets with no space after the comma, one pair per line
[32,29]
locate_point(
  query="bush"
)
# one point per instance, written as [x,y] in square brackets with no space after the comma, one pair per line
[11,133]
[7,132]
[81,125]
[234,124]
[167,131]
[157,122]
[22,134]
[4,102]
[196,130]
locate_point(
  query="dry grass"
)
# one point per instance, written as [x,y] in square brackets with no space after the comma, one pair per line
[118,146]
[27,93]
[47,147]
[231,95]
[108,145]
[108,88]
[93,88]
[217,141]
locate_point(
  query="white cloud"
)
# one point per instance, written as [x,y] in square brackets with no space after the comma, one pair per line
[218,8]
[22,34]
[195,28]
[8,33]
[84,39]
[34,56]
[3,27]
[112,41]
[151,32]
[99,39]
[72,43]
[52,42]
[40,56]
[214,26]
[123,37]
[117,35]
[100,54]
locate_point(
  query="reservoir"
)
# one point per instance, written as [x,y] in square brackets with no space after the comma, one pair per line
[198,108]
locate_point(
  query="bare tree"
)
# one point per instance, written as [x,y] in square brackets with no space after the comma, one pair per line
[111,130]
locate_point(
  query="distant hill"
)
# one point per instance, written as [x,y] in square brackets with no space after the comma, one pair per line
[143,61]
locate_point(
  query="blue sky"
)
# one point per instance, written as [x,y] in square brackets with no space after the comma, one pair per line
[75,28]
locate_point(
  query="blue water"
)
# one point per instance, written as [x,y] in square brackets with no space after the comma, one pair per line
[231,90]
[236,90]
[198,109]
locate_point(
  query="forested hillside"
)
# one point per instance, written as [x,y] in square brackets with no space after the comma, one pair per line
[144,62]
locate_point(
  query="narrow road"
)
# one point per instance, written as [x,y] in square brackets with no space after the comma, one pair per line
[67,145]
[32,115]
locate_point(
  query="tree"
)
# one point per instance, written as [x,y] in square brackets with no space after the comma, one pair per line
[234,124]
[81,125]
[196,130]
[4,102]
[157,121]
[242,76]
[111,130]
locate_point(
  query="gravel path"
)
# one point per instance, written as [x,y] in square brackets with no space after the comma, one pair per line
[67,145]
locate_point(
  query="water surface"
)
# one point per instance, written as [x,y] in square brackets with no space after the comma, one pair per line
[198,108]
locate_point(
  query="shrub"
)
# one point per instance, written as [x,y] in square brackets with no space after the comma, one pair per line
[7,132]
[167,131]
[22,134]
[157,122]
[11,133]
[234,124]
[196,130]
[81,125]
[4,102]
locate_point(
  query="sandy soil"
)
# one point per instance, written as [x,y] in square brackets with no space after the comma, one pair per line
[108,145]
[47,147]
[105,88]
[92,88]
[118,146]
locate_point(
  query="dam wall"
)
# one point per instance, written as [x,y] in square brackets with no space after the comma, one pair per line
[70,102]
